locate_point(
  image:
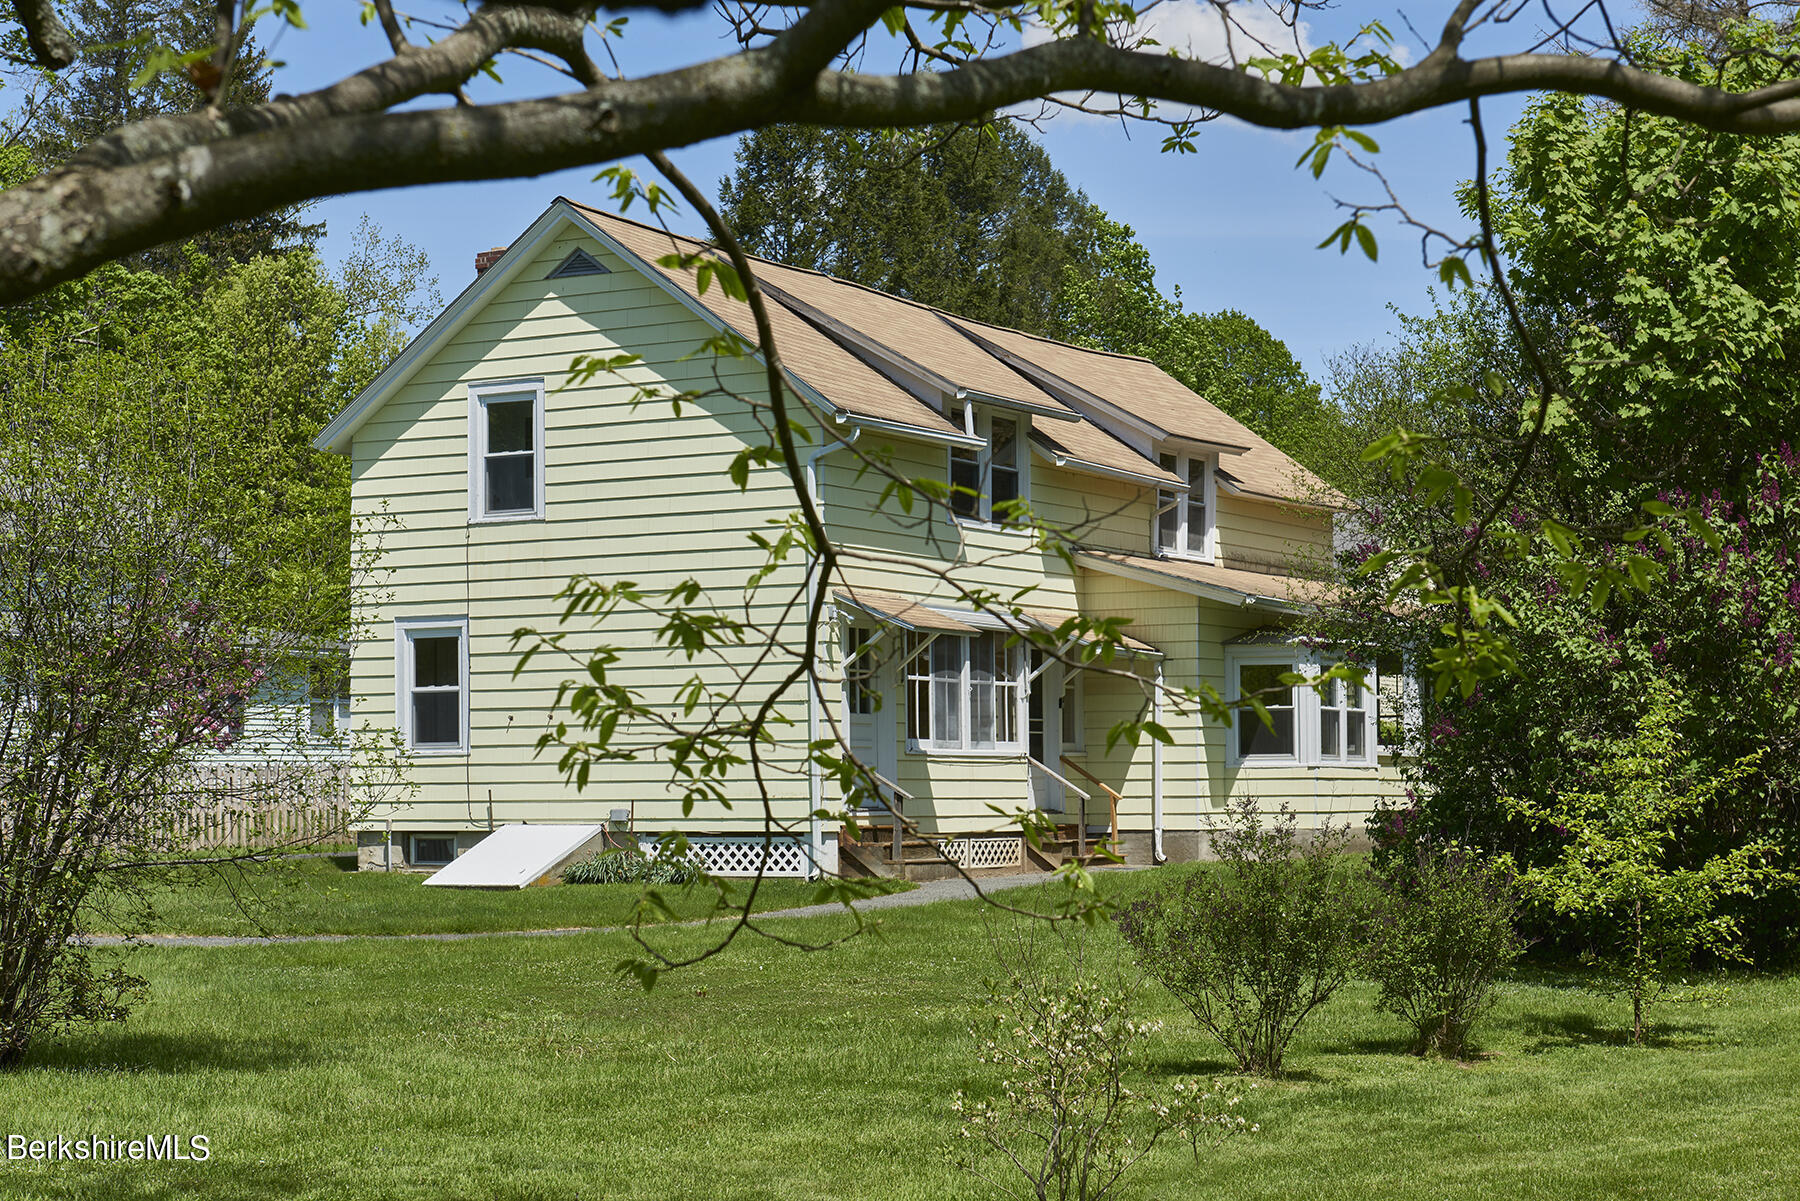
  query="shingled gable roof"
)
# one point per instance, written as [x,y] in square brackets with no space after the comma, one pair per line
[1145,392]
[852,349]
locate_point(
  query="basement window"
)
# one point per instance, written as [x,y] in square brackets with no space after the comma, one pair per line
[431,850]
[506,451]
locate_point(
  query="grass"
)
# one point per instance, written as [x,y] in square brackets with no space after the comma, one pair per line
[319,896]
[521,1068]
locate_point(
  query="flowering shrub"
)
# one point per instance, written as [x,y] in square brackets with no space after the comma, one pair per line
[1064,1121]
[1721,616]
[1442,927]
[1253,946]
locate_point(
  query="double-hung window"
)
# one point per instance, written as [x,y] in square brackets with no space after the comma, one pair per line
[1344,723]
[1333,725]
[1183,520]
[965,693]
[432,684]
[984,481]
[506,451]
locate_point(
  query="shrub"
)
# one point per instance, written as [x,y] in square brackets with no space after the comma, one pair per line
[628,865]
[1443,927]
[1064,1120]
[1622,868]
[1256,943]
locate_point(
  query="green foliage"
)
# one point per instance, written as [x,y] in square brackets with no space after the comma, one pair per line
[1253,947]
[1442,928]
[172,541]
[1068,1115]
[1650,255]
[1618,869]
[973,220]
[134,66]
[628,865]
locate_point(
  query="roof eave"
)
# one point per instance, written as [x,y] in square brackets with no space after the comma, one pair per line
[1213,592]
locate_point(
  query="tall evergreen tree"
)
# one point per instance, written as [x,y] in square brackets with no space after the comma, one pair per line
[978,222]
[118,37]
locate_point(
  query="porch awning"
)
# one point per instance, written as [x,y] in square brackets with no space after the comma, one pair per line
[908,614]
[915,616]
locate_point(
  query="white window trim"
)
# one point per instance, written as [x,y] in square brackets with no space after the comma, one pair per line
[1209,542]
[406,629]
[979,423]
[1307,705]
[1021,691]
[478,395]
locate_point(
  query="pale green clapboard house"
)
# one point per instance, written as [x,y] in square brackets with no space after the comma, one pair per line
[498,479]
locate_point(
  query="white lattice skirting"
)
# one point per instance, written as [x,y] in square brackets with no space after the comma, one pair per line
[972,853]
[726,856]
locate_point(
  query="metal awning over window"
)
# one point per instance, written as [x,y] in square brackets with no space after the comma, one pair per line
[916,616]
[909,615]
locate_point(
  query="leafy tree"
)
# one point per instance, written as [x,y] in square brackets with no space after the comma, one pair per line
[108,89]
[974,220]
[1619,870]
[170,540]
[1644,277]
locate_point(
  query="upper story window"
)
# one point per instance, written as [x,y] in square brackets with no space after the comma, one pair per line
[506,451]
[966,692]
[431,672]
[1333,726]
[983,481]
[1184,521]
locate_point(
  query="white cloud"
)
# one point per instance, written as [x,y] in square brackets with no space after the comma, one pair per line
[1198,30]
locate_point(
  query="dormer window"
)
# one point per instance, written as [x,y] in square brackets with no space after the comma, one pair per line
[1184,521]
[506,451]
[982,482]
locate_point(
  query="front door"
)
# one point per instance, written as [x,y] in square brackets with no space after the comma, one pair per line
[869,704]
[1043,733]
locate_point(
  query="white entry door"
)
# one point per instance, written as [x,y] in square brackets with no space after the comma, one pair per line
[870,701]
[1043,730]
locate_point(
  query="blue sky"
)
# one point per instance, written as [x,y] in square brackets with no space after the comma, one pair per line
[1234,226]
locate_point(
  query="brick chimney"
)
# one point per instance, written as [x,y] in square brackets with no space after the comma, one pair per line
[488,258]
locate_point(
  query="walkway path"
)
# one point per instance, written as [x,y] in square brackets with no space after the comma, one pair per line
[924,894]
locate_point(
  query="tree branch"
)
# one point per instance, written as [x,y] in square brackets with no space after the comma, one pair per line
[49,39]
[175,176]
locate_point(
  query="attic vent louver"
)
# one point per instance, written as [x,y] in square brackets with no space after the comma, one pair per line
[579,262]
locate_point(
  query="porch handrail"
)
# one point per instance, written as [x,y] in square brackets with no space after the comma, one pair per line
[895,806]
[1059,779]
[1112,797]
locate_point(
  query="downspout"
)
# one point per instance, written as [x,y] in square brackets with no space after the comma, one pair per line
[1156,797]
[815,778]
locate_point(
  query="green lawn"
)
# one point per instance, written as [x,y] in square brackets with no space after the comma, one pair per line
[520,1068]
[317,896]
